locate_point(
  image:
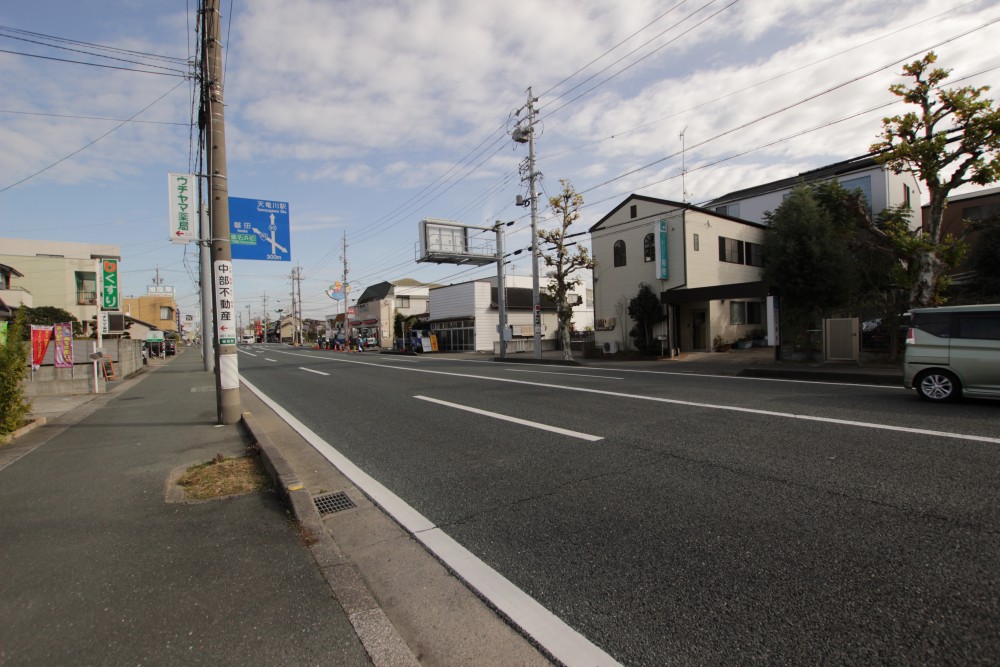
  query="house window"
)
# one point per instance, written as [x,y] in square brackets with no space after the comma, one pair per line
[86,288]
[730,250]
[633,210]
[754,254]
[402,302]
[697,243]
[862,185]
[166,313]
[732,210]
[745,312]
[619,253]
[907,194]
[985,212]
[648,248]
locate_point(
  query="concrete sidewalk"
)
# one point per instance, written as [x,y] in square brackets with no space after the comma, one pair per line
[97,568]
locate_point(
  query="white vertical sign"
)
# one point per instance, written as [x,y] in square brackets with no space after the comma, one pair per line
[225,303]
[183,219]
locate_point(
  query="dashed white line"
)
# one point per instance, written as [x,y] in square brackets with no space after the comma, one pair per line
[309,370]
[266,359]
[515,420]
[575,375]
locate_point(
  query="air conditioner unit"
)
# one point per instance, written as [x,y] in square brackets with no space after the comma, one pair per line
[611,347]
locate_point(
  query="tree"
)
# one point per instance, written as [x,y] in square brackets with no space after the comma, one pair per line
[563,261]
[49,315]
[13,369]
[645,310]
[953,139]
[807,258]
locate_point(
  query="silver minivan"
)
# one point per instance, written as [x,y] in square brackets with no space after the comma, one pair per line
[953,351]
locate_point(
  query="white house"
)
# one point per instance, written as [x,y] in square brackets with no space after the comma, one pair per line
[375,311]
[706,267]
[465,317]
[881,187]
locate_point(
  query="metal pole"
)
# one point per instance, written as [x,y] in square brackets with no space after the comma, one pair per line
[501,292]
[536,311]
[227,376]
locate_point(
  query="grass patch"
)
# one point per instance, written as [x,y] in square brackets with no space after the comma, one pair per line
[225,476]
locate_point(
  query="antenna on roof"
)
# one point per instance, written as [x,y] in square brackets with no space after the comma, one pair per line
[684,192]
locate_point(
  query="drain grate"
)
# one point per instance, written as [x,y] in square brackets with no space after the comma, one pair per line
[332,503]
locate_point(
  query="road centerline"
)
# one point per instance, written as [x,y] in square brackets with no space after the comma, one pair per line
[310,370]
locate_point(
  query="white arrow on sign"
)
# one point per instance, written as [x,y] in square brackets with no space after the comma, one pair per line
[270,239]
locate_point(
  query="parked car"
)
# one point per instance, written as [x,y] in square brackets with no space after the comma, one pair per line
[169,347]
[953,351]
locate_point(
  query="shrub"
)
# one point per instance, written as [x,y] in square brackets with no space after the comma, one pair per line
[13,369]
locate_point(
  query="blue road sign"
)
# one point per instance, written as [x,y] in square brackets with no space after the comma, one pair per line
[259,229]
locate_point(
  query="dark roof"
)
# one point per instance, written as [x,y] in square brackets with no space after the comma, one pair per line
[10,269]
[375,292]
[822,173]
[519,298]
[666,202]
[750,290]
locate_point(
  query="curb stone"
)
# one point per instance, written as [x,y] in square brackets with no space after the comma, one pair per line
[381,640]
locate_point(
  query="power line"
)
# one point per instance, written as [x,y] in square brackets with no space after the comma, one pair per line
[80,62]
[85,147]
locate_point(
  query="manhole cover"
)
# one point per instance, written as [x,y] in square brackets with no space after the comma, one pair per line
[331,503]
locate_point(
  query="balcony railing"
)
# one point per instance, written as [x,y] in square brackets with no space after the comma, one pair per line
[86,298]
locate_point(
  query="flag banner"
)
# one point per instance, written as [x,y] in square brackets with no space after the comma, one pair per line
[3,332]
[64,345]
[40,337]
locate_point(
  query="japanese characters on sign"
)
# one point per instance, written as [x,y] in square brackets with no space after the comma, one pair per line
[182,207]
[259,229]
[109,284]
[662,249]
[225,303]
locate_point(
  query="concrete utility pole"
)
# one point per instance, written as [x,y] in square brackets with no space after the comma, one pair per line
[344,283]
[501,292]
[227,375]
[536,308]
[205,277]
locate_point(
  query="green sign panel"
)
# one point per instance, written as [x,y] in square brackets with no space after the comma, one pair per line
[109,284]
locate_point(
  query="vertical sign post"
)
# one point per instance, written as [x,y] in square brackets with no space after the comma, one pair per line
[182,207]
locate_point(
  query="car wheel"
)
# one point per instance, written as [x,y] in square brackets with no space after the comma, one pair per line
[938,386]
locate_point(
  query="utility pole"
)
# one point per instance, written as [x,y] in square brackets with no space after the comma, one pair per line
[536,307]
[227,375]
[266,321]
[344,283]
[298,278]
[205,278]
[501,292]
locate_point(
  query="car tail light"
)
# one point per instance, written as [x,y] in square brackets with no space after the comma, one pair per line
[911,338]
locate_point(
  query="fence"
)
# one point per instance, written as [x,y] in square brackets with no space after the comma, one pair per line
[47,380]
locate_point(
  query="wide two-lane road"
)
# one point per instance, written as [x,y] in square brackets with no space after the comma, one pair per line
[679,518]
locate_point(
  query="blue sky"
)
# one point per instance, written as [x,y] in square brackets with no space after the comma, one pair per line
[368,116]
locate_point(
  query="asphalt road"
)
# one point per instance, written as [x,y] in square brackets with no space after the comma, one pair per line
[679,518]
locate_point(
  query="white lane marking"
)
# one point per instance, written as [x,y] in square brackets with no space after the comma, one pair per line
[552,633]
[309,370]
[516,420]
[266,359]
[575,375]
[249,354]
[693,404]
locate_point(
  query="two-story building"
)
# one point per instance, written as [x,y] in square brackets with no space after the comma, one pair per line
[59,274]
[158,306]
[881,187]
[376,309]
[706,267]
